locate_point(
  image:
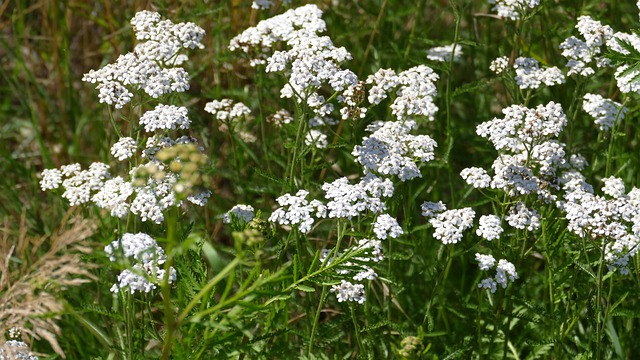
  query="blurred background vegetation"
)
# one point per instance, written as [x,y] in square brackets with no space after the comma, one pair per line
[49,117]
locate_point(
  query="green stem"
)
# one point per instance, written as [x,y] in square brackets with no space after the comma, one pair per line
[316,319]
[371,37]
[614,134]
[450,136]
[600,317]
[361,348]
[169,319]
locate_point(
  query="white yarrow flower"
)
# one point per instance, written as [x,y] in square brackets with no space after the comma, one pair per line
[242,212]
[51,179]
[386,225]
[450,224]
[124,148]
[443,53]
[165,117]
[499,65]
[490,227]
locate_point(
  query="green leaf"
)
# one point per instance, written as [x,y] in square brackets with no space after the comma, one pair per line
[304,288]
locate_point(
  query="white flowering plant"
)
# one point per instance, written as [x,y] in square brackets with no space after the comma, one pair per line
[328,179]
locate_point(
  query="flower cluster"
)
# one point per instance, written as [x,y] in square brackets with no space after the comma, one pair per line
[476,177]
[529,75]
[147,258]
[415,92]
[520,217]
[443,53]
[606,112]
[449,225]
[625,76]
[505,272]
[513,9]
[265,4]
[152,66]
[529,157]
[348,201]
[391,150]
[297,210]
[613,220]
[582,53]
[499,65]
[165,117]
[309,61]
[242,212]
[490,227]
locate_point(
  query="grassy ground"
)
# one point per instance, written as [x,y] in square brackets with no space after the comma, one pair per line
[235,299]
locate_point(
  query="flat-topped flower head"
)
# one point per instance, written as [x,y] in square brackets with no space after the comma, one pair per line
[347,200]
[605,112]
[346,291]
[165,117]
[308,59]
[443,53]
[242,212]
[449,225]
[505,272]
[227,110]
[520,217]
[414,88]
[485,262]
[51,179]
[490,227]
[614,187]
[522,125]
[386,225]
[499,65]
[147,257]
[476,177]
[582,53]
[529,74]
[78,184]
[152,66]
[297,210]
[391,150]
[115,197]
[124,149]
[513,9]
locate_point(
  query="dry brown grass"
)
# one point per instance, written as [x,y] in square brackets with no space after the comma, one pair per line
[35,270]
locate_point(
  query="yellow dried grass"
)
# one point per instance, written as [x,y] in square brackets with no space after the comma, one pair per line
[35,270]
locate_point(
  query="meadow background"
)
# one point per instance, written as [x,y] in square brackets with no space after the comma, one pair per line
[257,293]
